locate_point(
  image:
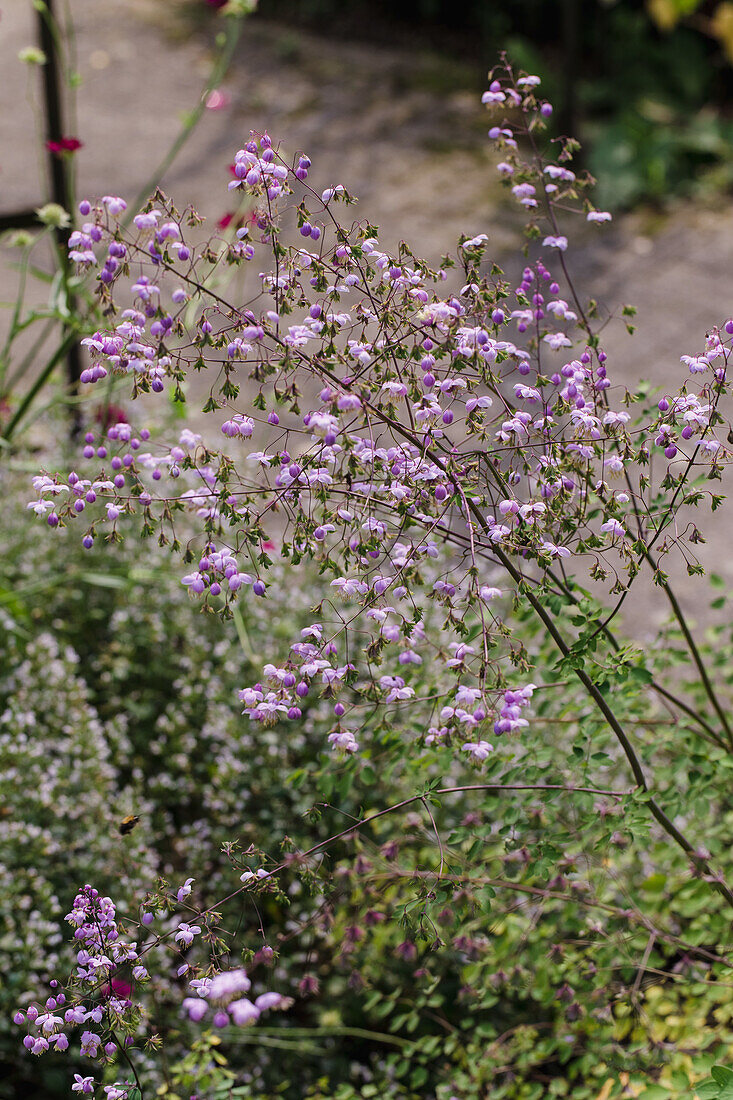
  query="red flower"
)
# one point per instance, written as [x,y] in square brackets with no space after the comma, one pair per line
[227,219]
[110,414]
[65,145]
[116,987]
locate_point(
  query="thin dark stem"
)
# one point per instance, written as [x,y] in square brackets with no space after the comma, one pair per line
[635,764]
[654,684]
[692,647]
[707,685]
[128,1059]
[361,824]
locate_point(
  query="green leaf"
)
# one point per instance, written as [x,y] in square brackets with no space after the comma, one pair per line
[722,1075]
[708,1091]
[105,580]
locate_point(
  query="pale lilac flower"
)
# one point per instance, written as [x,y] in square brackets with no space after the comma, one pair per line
[243,1012]
[186,933]
[40,507]
[556,551]
[613,528]
[479,750]
[115,1092]
[350,586]
[114,204]
[557,340]
[223,987]
[48,1023]
[253,876]
[344,740]
[267,1001]
[329,193]
[560,243]
[148,220]
[90,1043]
[185,890]
[696,363]
[476,242]
[195,1007]
[557,172]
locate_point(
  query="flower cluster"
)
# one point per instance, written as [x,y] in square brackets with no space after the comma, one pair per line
[224,994]
[103,1006]
[438,450]
[99,998]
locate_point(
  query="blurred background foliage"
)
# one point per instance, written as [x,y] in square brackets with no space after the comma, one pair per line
[647,86]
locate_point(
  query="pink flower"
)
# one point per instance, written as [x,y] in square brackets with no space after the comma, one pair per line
[64,145]
[217,100]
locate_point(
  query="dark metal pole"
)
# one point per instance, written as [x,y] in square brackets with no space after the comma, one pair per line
[24,219]
[58,168]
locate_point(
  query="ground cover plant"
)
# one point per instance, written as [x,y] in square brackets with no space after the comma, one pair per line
[421,499]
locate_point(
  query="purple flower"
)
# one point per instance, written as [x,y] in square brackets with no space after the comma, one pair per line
[185,890]
[90,1043]
[195,1007]
[82,1084]
[186,933]
[243,1012]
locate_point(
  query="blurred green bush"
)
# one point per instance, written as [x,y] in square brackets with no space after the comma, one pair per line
[117,696]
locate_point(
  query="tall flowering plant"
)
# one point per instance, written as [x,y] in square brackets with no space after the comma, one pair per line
[452,452]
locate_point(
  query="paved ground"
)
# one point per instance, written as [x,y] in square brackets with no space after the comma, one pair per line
[387,124]
[400,129]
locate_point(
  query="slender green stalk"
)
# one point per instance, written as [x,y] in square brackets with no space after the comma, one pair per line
[219,69]
[43,377]
[319,1032]
[694,651]
[22,367]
